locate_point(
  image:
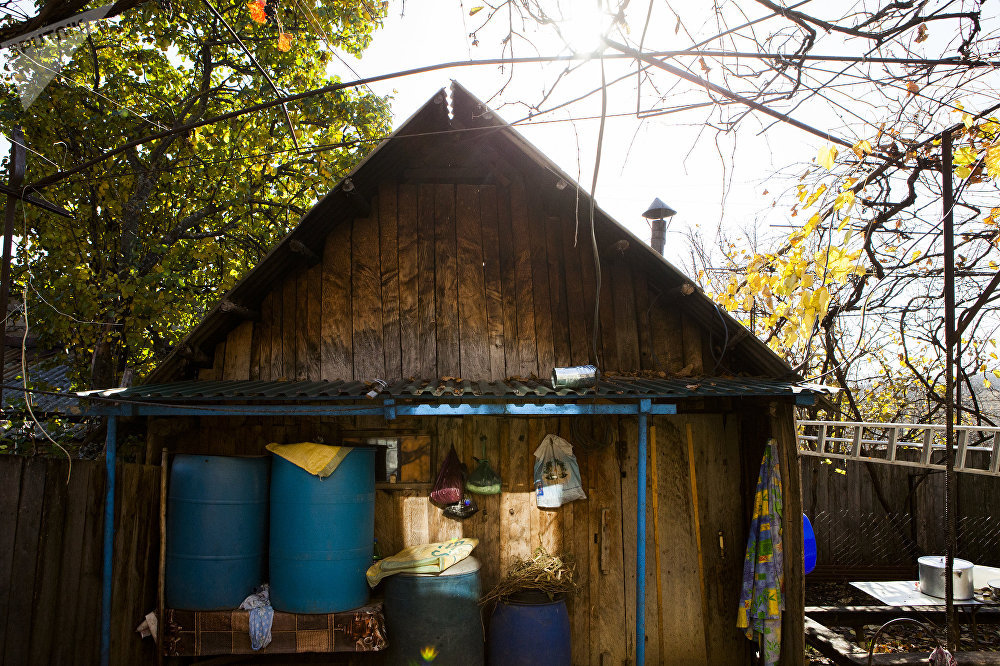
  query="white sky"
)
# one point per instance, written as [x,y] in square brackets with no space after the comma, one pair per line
[640,159]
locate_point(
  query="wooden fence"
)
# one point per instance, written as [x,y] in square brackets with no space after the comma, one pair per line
[51,560]
[853,529]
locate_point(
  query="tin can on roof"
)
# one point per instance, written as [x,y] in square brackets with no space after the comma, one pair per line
[577,376]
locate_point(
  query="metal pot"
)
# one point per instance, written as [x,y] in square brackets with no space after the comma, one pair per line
[932,571]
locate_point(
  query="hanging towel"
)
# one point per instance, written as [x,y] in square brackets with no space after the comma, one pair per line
[318,459]
[261,617]
[762,599]
[425,558]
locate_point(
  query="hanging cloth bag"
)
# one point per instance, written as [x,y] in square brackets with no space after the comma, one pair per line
[448,487]
[483,480]
[557,474]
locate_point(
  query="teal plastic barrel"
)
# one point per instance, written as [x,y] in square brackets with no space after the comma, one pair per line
[435,617]
[216,531]
[322,532]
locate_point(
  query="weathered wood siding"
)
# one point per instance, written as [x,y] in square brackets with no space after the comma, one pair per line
[853,529]
[51,560]
[599,533]
[482,282]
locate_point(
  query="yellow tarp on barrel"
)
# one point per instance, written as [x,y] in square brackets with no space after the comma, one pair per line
[318,459]
[425,558]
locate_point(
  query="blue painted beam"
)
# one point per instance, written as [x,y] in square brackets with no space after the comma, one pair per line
[389,410]
[640,539]
[110,456]
[507,409]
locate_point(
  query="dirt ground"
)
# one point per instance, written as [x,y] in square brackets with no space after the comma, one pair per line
[900,638]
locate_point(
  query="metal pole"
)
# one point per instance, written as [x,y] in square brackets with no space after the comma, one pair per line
[949,344]
[16,170]
[110,455]
[640,540]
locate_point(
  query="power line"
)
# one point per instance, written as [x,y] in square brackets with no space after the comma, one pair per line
[626,53]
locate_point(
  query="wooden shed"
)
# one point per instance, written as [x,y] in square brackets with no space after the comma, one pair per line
[452,265]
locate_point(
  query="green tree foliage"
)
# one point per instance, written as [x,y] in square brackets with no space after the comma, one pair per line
[161,231]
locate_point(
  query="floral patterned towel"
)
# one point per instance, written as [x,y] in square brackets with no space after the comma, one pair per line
[762,599]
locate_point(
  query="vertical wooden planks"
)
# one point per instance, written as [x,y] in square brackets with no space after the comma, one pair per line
[494,289]
[426,272]
[579,313]
[48,595]
[523,286]
[692,340]
[607,618]
[86,635]
[683,632]
[559,312]
[717,465]
[628,433]
[388,236]
[516,503]
[642,318]
[255,350]
[313,361]
[540,285]
[413,518]
[609,327]
[301,324]
[337,346]
[666,341]
[577,541]
[626,329]
[508,293]
[289,323]
[480,435]
[238,342]
[366,297]
[446,282]
[277,311]
[262,337]
[11,469]
[23,573]
[408,234]
[474,355]
[70,566]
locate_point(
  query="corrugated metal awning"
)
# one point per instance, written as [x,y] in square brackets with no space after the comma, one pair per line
[451,389]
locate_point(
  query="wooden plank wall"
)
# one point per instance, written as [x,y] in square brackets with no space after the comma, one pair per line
[854,529]
[51,560]
[482,282]
[598,533]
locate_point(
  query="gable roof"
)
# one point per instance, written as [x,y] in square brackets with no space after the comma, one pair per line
[341,204]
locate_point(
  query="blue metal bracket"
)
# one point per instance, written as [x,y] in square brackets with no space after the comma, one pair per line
[390,409]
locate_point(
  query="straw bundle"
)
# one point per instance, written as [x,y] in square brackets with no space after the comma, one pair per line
[546,573]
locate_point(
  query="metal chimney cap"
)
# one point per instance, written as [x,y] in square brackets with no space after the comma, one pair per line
[658,210]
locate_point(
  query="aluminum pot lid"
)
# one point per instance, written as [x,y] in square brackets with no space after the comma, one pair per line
[939,561]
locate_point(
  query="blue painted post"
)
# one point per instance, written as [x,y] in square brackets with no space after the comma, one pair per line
[110,455]
[640,539]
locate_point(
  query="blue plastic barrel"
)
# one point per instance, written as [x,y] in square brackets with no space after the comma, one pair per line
[808,544]
[434,617]
[216,531]
[322,532]
[525,634]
